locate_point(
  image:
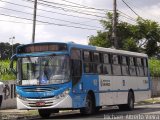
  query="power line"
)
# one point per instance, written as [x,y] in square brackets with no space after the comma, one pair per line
[124,15]
[11,21]
[50,17]
[130,8]
[50,23]
[50,11]
[126,22]
[127,15]
[86,6]
[73,6]
[15,22]
[66,9]
[128,18]
[131,3]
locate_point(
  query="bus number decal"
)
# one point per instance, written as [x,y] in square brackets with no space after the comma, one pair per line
[105,82]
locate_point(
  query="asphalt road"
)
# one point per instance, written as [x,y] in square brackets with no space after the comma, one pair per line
[141,112]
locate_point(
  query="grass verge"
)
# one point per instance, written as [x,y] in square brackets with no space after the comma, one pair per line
[150,101]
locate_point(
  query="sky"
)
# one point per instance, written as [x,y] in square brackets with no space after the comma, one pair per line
[55,11]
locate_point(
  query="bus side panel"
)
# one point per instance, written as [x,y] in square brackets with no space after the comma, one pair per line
[114,89]
[78,100]
[142,95]
[111,92]
[89,82]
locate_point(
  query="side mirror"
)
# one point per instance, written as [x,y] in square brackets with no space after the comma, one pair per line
[13,58]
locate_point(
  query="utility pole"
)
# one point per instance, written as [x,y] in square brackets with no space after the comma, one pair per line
[34,21]
[114,24]
[12,38]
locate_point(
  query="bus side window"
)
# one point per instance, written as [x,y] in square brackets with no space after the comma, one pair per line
[96,57]
[106,58]
[87,56]
[87,67]
[101,57]
[139,67]
[96,62]
[132,67]
[116,67]
[145,66]
[76,66]
[75,54]
[106,64]
[125,68]
[100,65]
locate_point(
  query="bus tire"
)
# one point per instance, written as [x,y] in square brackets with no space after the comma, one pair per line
[89,105]
[1,98]
[44,113]
[97,109]
[130,104]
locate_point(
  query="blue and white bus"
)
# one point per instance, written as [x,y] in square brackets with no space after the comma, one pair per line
[55,76]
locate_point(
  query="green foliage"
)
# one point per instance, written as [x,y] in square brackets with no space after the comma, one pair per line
[149,30]
[154,67]
[100,40]
[130,45]
[5,72]
[144,36]
[6,50]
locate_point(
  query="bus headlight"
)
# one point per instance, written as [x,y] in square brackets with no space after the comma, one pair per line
[66,92]
[20,97]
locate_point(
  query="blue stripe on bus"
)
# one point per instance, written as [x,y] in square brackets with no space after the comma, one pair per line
[137,90]
[21,90]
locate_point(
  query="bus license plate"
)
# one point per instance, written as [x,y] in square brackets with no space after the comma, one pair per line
[40,103]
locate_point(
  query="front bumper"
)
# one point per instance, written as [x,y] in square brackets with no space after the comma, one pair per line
[28,104]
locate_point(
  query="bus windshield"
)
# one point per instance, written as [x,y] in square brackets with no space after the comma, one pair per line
[44,70]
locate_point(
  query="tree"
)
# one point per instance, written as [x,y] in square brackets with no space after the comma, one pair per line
[130,45]
[141,37]
[149,31]
[100,40]
[5,50]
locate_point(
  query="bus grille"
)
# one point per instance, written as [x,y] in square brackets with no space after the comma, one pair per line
[40,89]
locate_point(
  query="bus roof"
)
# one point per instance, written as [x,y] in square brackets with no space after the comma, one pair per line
[94,48]
[110,50]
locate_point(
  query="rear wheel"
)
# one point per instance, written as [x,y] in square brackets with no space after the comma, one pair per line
[89,105]
[1,98]
[130,104]
[44,113]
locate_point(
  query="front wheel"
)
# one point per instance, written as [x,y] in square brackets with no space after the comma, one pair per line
[44,113]
[89,106]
